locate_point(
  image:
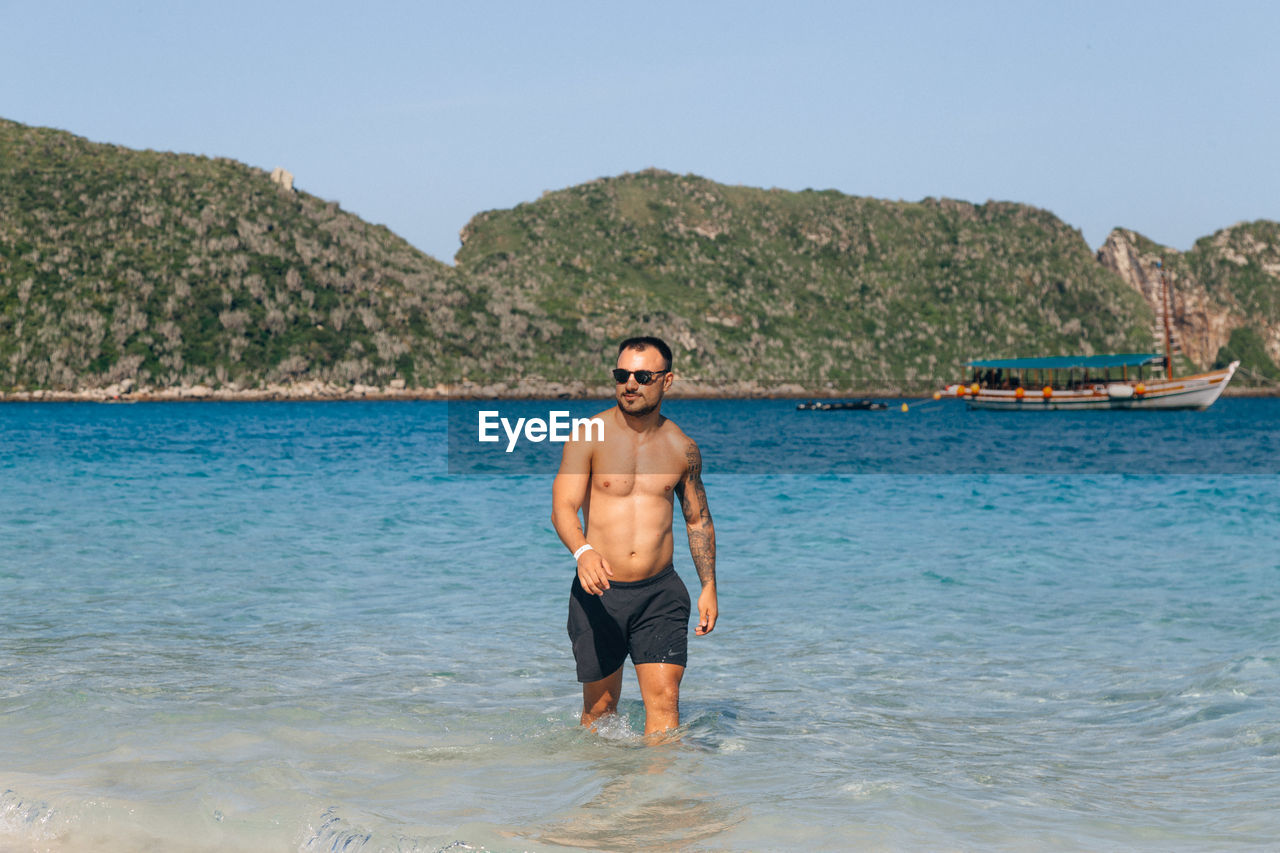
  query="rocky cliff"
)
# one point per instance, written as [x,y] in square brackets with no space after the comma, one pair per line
[1226,287]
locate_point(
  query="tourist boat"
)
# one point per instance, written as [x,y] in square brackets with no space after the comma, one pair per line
[1127,381]
[1124,381]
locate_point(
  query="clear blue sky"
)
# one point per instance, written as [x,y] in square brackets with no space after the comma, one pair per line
[1163,117]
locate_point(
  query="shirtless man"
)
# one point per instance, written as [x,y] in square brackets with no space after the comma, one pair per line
[626,597]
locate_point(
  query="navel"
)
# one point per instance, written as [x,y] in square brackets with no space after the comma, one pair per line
[606,484]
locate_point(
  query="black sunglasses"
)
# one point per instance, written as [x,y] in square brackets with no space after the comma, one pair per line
[644,377]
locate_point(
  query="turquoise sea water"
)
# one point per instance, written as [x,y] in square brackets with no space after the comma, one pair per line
[291,627]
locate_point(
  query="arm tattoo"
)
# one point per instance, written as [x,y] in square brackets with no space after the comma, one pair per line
[697,517]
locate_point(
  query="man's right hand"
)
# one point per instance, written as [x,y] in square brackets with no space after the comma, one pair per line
[594,572]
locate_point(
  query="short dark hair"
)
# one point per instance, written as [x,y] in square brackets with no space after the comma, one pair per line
[644,343]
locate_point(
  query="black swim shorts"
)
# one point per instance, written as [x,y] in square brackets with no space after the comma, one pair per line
[647,619]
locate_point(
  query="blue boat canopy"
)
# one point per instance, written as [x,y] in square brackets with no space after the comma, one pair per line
[1066,362]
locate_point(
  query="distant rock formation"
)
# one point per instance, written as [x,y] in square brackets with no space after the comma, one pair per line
[283,177]
[1228,281]
[1202,325]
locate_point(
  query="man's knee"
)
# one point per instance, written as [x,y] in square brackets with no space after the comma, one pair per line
[660,688]
[601,704]
[601,697]
[666,696]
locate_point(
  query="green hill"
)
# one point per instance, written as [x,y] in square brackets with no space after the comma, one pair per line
[146,270]
[171,269]
[804,287]
[1240,267]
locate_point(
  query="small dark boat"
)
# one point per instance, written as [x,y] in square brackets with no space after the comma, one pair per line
[841,406]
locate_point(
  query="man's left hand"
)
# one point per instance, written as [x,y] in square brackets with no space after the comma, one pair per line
[707,611]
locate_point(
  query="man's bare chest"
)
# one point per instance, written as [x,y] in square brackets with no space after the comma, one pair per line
[624,471]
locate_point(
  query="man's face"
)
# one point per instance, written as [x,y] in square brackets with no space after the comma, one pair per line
[634,398]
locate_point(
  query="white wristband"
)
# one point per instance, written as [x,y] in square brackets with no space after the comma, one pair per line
[584,549]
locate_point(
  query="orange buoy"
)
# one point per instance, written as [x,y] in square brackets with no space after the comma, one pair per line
[1020,393]
[1140,388]
[974,388]
[937,395]
[961,390]
[1047,391]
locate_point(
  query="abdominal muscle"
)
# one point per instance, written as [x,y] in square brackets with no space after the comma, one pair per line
[631,532]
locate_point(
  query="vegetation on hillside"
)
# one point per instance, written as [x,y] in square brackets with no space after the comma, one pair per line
[1242,264]
[173,269]
[1246,346]
[177,270]
[805,287]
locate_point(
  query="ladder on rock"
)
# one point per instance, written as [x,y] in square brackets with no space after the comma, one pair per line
[1163,330]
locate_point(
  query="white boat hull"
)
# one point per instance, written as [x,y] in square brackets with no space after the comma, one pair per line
[1181,392]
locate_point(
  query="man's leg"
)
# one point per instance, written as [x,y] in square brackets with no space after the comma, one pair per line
[660,689]
[600,698]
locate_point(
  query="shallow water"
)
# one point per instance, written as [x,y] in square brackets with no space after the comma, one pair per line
[289,627]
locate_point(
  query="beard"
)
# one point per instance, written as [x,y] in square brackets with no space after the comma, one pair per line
[638,407]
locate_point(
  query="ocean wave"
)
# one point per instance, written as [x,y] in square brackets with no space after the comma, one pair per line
[26,819]
[332,833]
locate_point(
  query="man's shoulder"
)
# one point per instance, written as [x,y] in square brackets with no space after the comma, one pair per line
[680,441]
[590,436]
[672,432]
[582,443]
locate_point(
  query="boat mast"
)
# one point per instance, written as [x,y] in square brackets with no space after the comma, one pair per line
[1166,319]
